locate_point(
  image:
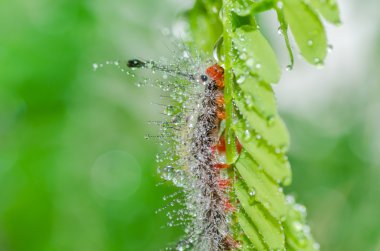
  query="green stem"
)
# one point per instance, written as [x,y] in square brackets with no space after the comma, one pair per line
[228,79]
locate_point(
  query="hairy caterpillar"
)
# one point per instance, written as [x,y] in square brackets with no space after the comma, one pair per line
[194,158]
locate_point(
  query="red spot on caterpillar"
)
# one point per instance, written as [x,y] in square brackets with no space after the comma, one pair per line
[221,146]
[221,166]
[223,184]
[228,206]
[216,72]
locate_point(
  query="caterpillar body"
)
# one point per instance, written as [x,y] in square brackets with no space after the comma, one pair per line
[194,158]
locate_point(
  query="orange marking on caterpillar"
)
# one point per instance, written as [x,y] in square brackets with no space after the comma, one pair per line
[216,72]
[221,114]
[219,100]
[221,166]
[223,184]
[221,145]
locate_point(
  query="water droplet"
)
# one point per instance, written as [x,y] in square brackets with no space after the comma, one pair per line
[289,67]
[297,226]
[318,62]
[247,135]
[310,42]
[280,4]
[169,110]
[252,192]
[258,66]
[300,208]
[290,199]
[279,30]
[167,172]
[186,54]
[95,67]
[241,79]
[243,56]
[330,48]
[217,51]
[250,63]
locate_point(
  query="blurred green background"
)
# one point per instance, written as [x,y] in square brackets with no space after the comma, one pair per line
[76,173]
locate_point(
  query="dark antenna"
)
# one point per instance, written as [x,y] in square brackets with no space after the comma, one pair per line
[136,63]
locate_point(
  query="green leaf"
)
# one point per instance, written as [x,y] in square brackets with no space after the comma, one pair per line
[329,10]
[243,7]
[259,99]
[260,96]
[266,191]
[297,233]
[269,229]
[203,20]
[251,232]
[257,53]
[274,164]
[307,30]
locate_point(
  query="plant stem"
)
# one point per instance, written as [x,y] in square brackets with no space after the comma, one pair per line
[228,79]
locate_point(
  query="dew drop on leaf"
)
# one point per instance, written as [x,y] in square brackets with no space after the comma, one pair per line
[318,62]
[250,63]
[279,30]
[241,79]
[297,226]
[243,56]
[252,192]
[247,135]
